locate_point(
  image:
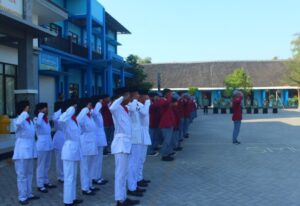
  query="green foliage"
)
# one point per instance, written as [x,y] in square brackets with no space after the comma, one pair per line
[293,74]
[193,90]
[238,79]
[293,102]
[139,75]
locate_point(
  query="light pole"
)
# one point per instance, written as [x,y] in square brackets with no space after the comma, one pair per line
[158,81]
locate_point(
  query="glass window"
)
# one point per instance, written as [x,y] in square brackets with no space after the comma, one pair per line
[1,68]
[74,90]
[1,95]
[10,96]
[74,37]
[10,69]
[56,29]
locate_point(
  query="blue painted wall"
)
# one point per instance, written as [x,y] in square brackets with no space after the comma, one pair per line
[77,7]
[97,11]
[59,2]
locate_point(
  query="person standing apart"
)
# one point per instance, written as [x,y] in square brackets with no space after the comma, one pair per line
[70,153]
[121,145]
[24,153]
[58,140]
[44,148]
[101,142]
[205,105]
[237,115]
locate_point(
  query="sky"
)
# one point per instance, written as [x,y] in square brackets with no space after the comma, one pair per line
[206,30]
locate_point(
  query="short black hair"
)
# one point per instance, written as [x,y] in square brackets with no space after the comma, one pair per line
[39,107]
[166,91]
[143,92]
[58,105]
[20,106]
[120,91]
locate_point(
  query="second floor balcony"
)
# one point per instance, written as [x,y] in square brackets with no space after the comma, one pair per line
[68,46]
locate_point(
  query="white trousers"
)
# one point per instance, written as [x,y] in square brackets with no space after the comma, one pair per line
[121,170]
[142,154]
[86,171]
[43,167]
[97,165]
[59,165]
[24,171]
[133,163]
[70,179]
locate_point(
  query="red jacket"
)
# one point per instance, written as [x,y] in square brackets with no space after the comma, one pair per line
[237,108]
[107,117]
[177,115]
[185,108]
[167,119]
[155,115]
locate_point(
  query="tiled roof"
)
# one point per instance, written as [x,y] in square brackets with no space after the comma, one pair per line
[212,74]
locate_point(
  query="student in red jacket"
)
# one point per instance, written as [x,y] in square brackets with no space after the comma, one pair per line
[176,132]
[107,120]
[237,115]
[166,125]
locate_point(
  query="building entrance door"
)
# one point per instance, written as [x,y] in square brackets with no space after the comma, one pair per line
[47,92]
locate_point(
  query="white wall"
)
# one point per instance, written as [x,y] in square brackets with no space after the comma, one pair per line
[8,55]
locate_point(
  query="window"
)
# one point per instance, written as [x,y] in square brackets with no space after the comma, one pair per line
[56,29]
[74,91]
[7,87]
[74,37]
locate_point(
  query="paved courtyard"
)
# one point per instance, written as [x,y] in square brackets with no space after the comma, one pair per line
[263,171]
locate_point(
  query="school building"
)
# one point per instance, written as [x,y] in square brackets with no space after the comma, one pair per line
[268,78]
[58,49]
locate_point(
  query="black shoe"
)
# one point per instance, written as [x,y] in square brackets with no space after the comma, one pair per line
[60,181]
[120,203]
[142,184]
[178,149]
[172,154]
[145,181]
[94,189]
[24,202]
[131,202]
[140,190]
[134,193]
[167,159]
[33,197]
[42,189]
[89,193]
[69,204]
[100,182]
[154,154]
[77,202]
[50,186]
[237,142]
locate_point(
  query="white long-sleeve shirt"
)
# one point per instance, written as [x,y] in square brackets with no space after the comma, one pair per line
[100,133]
[88,127]
[25,147]
[43,133]
[134,114]
[71,147]
[145,119]
[122,135]
[59,136]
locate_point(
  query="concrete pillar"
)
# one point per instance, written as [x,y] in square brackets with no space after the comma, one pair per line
[27,78]
[89,27]
[27,10]
[122,76]
[110,79]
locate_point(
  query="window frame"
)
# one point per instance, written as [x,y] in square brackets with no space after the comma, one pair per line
[3,75]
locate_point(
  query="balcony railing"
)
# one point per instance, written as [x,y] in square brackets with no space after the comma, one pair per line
[68,46]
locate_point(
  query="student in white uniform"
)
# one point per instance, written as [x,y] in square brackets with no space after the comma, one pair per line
[88,146]
[24,153]
[44,147]
[58,140]
[101,142]
[121,145]
[146,139]
[70,152]
[136,140]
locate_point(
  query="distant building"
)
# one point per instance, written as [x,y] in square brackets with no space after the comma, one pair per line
[267,77]
[51,49]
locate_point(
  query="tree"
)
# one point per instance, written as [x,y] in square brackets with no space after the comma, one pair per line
[139,75]
[238,79]
[293,74]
